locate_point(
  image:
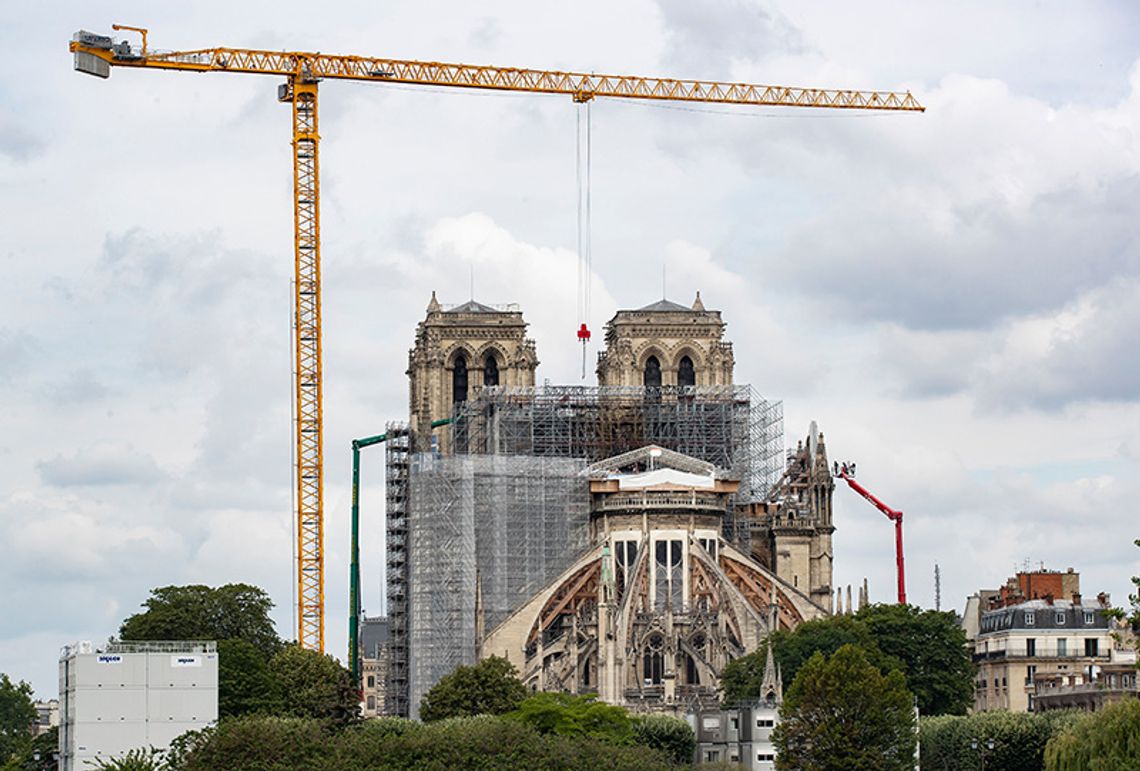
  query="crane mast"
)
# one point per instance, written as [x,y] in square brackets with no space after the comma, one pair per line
[95,54]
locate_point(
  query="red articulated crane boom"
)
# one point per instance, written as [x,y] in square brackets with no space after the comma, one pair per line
[846,472]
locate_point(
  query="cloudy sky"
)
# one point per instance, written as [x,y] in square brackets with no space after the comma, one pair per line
[953,296]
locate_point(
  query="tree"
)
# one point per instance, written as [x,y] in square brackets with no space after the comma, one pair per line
[1108,740]
[260,743]
[953,742]
[570,715]
[1131,614]
[245,683]
[842,713]
[741,679]
[671,735]
[312,684]
[931,647]
[230,612]
[491,687]
[17,713]
[928,647]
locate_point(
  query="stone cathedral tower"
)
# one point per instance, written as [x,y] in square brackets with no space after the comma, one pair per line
[459,350]
[666,344]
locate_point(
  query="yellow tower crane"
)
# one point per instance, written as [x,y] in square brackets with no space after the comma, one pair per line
[95,55]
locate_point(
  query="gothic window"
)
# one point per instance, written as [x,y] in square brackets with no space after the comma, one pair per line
[490,371]
[459,379]
[692,675]
[686,375]
[669,582]
[652,372]
[625,554]
[654,662]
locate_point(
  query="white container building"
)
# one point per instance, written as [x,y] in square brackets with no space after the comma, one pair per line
[129,695]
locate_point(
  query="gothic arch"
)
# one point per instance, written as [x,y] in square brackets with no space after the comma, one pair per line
[685,348]
[453,351]
[651,348]
[493,347]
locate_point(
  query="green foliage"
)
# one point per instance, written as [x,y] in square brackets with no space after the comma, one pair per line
[951,742]
[671,735]
[245,683]
[1131,614]
[47,745]
[230,612]
[1108,740]
[842,713]
[17,713]
[312,684]
[148,759]
[569,715]
[928,647]
[491,687]
[741,678]
[259,743]
[932,648]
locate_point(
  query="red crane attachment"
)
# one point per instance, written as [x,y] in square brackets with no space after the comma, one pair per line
[846,472]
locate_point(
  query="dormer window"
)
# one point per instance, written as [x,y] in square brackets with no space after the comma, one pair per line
[1030,618]
[1059,618]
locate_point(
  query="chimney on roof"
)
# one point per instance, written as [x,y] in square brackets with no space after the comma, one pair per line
[1102,598]
[1049,598]
[1076,598]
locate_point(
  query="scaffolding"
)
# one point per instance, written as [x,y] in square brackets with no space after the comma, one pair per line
[397,458]
[503,516]
[485,533]
[731,426]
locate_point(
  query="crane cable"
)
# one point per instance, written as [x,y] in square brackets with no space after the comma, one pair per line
[585,269]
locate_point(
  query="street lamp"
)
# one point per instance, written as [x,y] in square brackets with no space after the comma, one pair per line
[984,747]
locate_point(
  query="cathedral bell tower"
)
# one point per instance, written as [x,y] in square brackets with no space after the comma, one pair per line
[666,344]
[459,350]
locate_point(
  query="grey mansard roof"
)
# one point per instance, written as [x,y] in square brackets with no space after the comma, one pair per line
[1041,615]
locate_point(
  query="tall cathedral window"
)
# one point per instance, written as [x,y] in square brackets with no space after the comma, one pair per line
[686,375]
[459,379]
[652,372]
[653,663]
[490,371]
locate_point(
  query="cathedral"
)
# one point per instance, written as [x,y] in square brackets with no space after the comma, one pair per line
[626,540]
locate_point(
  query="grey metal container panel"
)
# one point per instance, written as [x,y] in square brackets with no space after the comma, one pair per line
[107,739]
[182,705]
[110,705]
[176,670]
[110,670]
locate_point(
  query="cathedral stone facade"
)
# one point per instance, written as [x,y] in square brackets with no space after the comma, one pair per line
[459,350]
[661,585]
[666,344]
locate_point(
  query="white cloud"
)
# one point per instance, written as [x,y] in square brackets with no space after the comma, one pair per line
[949,294]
